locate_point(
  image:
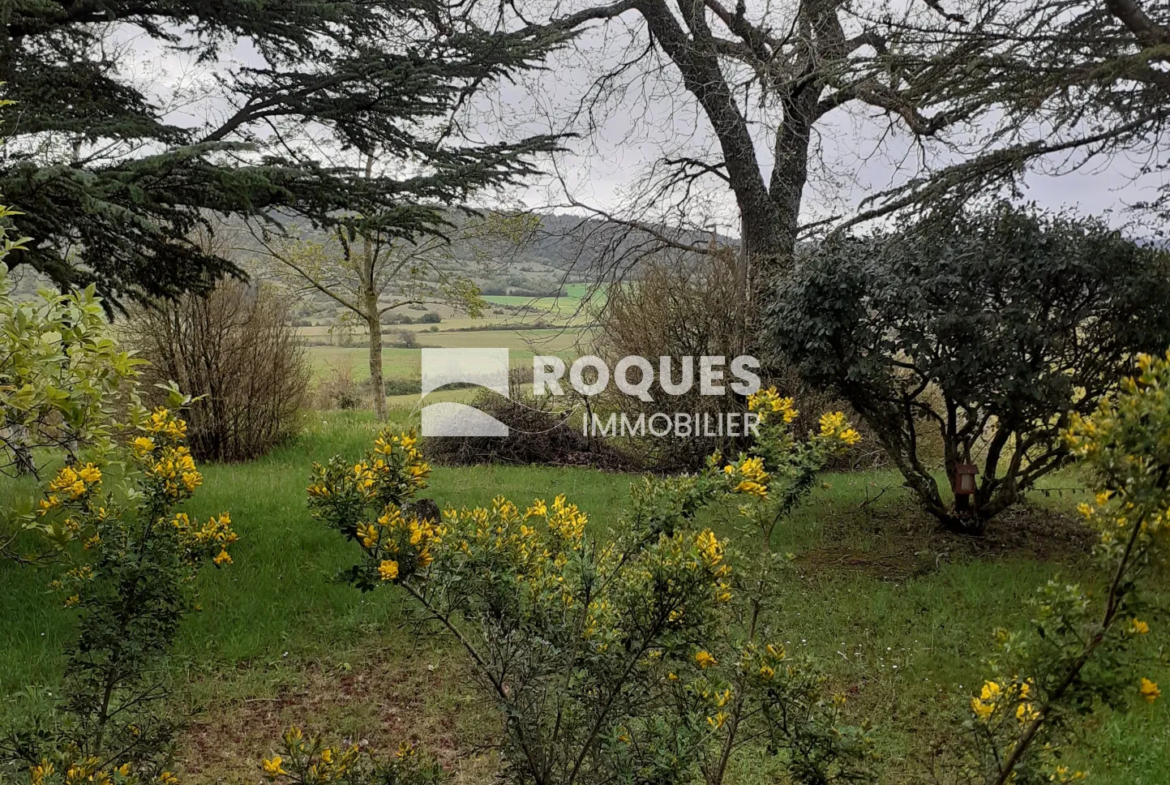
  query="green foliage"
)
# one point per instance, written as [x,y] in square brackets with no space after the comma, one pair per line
[1078,655]
[131,585]
[114,191]
[62,375]
[991,329]
[640,659]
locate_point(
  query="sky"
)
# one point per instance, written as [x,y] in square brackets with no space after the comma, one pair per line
[642,117]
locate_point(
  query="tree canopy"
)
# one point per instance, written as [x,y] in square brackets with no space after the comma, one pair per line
[114,170]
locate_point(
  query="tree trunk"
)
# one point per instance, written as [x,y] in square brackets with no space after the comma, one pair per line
[377,383]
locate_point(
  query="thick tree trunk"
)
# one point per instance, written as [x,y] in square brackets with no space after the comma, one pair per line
[790,173]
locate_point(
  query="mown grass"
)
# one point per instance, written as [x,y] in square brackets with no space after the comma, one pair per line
[901,617]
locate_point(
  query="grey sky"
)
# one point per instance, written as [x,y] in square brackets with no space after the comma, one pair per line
[647,116]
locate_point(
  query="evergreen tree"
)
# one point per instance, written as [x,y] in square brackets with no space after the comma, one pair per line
[113,171]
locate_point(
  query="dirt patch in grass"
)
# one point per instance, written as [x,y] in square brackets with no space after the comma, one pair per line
[899,541]
[388,698]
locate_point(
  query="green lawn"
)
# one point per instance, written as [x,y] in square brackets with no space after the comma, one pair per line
[903,619]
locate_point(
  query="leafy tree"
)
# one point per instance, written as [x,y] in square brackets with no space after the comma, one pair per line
[115,170]
[992,329]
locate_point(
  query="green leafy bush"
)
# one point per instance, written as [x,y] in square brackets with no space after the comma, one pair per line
[63,377]
[990,330]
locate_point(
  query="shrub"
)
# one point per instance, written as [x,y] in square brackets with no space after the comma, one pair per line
[234,351]
[407,339]
[310,761]
[338,390]
[63,377]
[677,310]
[131,584]
[430,317]
[1079,653]
[628,661]
[991,330]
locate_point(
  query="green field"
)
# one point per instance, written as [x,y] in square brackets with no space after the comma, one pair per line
[406,363]
[902,617]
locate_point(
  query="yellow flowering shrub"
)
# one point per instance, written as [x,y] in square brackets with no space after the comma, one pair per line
[1082,651]
[71,768]
[302,760]
[366,502]
[617,659]
[131,585]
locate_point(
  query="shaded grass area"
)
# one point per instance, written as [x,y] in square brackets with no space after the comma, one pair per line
[900,615]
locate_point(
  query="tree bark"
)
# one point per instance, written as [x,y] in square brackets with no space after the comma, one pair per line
[377,383]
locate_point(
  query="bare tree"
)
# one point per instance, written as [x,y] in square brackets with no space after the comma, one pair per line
[765,78]
[369,273]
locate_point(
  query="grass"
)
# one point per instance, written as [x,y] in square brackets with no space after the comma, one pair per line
[901,617]
[407,363]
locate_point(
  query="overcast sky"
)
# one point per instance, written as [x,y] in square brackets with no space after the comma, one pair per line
[645,116]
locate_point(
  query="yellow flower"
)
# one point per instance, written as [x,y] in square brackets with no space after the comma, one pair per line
[1139,627]
[849,436]
[1149,690]
[273,767]
[709,546]
[41,771]
[90,473]
[832,422]
[767,402]
[753,469]
[991,690]
[717,721]
[222,558]
[705,660]
[752,488]
[982,709]
[167,778]
[388,570]
[1026,712]
[142,445]
[766,673]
